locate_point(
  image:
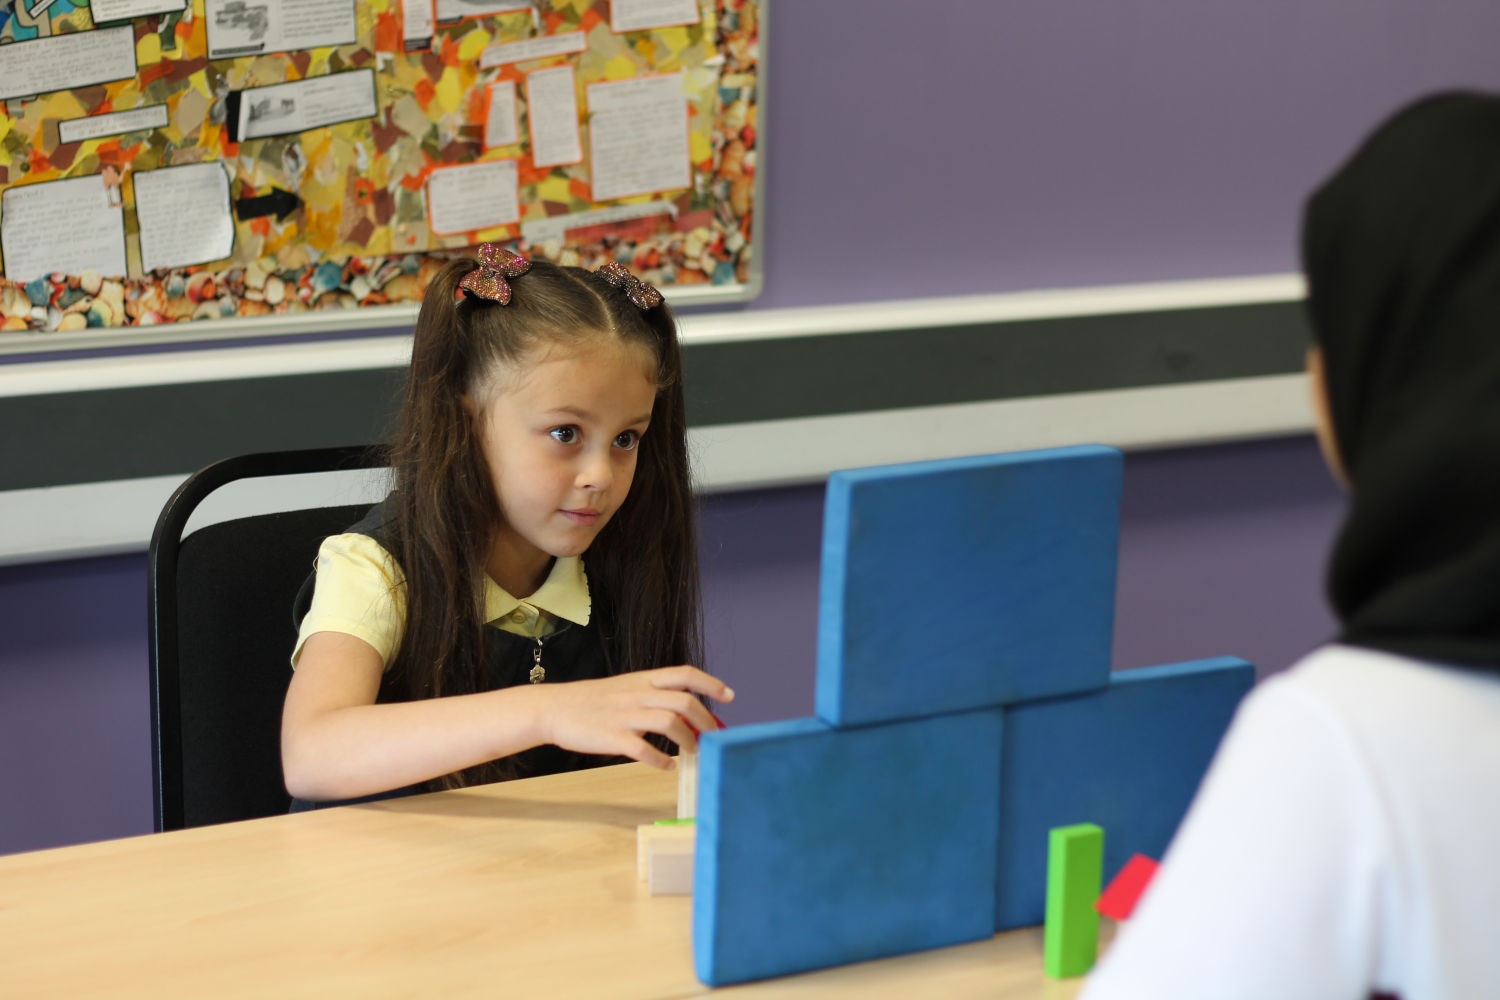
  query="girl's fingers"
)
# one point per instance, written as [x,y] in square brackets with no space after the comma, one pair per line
[698,718]
[671,725]
[644,752]
[612,715]
[692,679]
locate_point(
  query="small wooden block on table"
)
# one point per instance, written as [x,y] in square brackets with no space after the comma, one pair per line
[664,857]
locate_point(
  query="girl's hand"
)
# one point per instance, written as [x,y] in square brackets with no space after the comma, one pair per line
[611,715]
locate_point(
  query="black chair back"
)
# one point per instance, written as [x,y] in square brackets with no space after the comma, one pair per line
[221,634]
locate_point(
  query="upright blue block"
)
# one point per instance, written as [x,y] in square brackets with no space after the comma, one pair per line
[818,847]
[1128,758]
[961,584]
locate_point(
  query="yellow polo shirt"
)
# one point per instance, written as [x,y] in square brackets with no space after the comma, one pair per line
[359,592]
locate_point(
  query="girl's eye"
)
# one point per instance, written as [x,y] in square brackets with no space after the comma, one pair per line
[627,440]
[565,435]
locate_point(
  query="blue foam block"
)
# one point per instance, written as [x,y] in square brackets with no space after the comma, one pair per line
[1128,757]
[967,583]
[818,847]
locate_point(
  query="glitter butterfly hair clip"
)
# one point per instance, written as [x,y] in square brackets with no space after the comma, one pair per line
[640,293]
[487,281]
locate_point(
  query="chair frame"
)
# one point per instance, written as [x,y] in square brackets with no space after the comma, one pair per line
[162,603]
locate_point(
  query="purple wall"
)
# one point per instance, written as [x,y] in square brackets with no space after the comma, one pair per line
[919,149]
[75,716]
[1220,552]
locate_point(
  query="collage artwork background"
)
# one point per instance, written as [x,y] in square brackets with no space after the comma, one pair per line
[361,236]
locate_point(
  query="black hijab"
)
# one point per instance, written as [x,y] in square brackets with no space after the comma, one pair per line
[1402,253]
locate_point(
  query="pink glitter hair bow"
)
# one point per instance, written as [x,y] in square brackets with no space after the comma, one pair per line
[617,274]
[487,281]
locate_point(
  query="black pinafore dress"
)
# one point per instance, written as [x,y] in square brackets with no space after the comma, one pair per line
[572,653]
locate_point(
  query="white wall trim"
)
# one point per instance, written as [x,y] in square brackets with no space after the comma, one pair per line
[786,452]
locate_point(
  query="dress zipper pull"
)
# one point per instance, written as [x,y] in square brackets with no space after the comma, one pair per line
[538,672]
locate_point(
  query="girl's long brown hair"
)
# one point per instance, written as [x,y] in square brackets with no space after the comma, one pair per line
[444,510]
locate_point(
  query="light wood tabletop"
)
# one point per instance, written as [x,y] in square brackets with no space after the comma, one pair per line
[524,888]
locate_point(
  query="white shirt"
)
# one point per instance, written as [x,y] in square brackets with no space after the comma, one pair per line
[1345,841]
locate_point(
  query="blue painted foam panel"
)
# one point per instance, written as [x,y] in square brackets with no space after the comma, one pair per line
[966,583]
[818,847]
[1128,757]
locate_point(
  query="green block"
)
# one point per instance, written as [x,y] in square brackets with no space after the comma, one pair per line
[688,821]
[1075,874]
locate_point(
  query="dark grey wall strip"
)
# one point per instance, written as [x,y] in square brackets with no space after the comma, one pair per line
[889,369]
[84,437]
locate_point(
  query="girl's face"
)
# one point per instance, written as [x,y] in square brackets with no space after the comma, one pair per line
[559,435]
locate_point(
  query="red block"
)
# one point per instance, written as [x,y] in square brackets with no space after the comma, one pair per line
[1117,901]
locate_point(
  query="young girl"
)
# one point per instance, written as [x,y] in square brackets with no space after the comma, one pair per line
[1343,843]
[515,606]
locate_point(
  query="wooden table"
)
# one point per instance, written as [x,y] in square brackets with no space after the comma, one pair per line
[526,888]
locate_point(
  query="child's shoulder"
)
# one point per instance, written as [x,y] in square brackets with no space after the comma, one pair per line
[356,554]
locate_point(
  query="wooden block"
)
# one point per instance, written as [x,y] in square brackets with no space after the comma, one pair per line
[1075,870]
[1022,548]
[653,837]
[687,785]
[818,846]
[1118,900]
[1129,757]
[670,866]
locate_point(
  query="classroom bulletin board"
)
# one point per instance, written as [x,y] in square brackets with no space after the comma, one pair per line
[183,161]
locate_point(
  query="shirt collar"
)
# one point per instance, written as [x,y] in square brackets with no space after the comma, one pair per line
[565,594]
